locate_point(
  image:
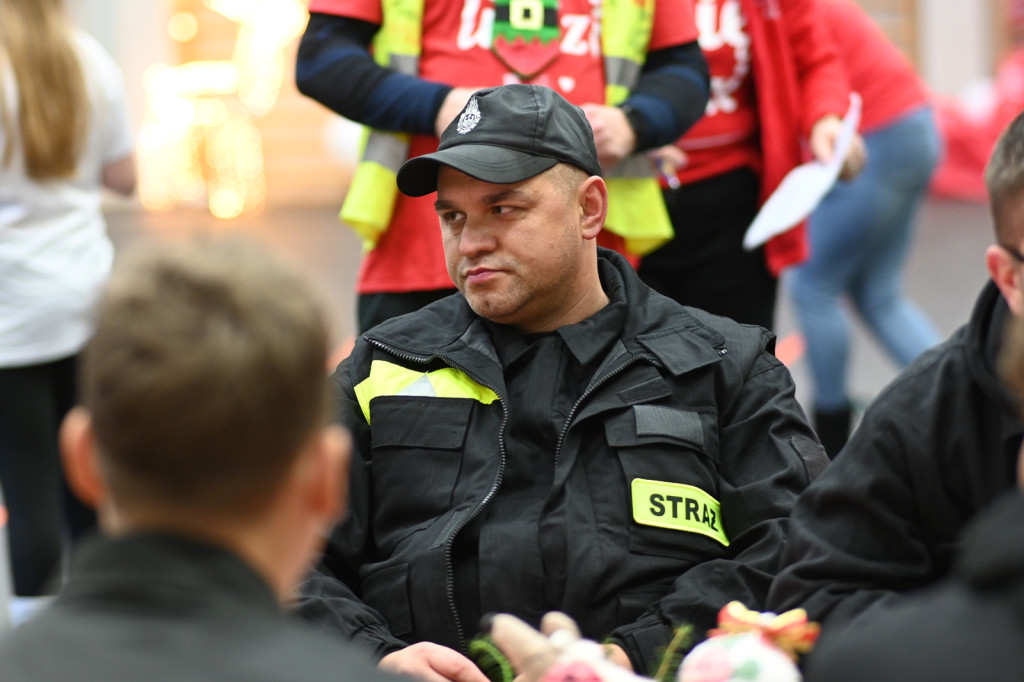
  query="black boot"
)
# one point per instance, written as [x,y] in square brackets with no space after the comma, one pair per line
[833,429]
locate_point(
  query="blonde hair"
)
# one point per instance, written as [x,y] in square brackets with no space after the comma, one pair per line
[53,103]
[1004,178]
[206,375]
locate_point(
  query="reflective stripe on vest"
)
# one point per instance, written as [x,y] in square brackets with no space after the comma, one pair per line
[636,208]
[370,200]
[387,378]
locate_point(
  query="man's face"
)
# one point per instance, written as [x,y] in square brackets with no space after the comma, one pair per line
[515,251]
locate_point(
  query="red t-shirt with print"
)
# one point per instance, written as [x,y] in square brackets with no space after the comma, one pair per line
[726,137]
[456,49]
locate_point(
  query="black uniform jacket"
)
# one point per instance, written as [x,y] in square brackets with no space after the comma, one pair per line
[670,484]
[160,608]
[970,628]
[937,445]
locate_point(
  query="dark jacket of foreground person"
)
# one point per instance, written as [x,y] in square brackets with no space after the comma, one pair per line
[938,445]
[970,628]
[156,608]
[504,498]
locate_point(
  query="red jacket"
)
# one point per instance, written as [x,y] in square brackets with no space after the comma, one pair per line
[798,78]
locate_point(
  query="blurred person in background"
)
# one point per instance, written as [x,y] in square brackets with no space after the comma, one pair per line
[861,232]
[776,85]
[64,134]
[405,70]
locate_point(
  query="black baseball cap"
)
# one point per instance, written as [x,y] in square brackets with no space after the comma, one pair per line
[504,135]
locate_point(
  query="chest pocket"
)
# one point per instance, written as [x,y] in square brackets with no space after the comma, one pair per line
[669,459]
[416,447]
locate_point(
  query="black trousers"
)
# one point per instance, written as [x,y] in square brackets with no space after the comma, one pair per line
[705,265]
[43,514]
[372,309]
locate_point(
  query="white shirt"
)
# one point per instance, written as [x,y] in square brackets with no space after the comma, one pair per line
[55,254]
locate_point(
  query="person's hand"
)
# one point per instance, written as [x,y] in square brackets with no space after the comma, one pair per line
[666,161]
[453,103]
[824,135]
[613,135]
[432,663]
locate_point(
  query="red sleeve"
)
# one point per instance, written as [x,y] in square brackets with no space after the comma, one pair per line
[366,10]
[673,24]
[824,86]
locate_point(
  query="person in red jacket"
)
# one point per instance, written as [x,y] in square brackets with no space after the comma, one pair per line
[861,232]
[776,82]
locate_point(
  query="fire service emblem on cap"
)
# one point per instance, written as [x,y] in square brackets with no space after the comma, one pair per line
[470,117]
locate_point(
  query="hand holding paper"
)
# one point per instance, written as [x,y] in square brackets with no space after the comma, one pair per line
[804,187]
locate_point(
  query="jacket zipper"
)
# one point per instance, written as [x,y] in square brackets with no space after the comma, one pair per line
[590,390]
[449,568]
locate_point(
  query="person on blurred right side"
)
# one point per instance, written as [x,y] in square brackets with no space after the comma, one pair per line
[969,628]
[861,232]
[934,449]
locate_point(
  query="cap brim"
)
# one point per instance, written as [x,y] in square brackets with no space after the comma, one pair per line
[499,165]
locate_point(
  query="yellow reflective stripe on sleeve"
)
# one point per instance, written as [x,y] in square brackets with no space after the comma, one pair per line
[677,506]
[387,378]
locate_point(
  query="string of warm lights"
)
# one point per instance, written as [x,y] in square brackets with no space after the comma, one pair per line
[198,136]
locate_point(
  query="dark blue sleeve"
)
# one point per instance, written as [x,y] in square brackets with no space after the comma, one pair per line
[670,95]
[334,67]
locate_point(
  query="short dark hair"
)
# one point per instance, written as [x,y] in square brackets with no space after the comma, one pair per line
[1004,179]
[568,178]
[206,374]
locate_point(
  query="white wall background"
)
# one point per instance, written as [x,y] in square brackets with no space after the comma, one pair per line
[134,32]
[956,43]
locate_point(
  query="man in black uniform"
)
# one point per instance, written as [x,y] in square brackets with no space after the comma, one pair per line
[202,443]
[939,444]
[556,435]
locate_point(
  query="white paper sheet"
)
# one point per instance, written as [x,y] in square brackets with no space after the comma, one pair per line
[803,188]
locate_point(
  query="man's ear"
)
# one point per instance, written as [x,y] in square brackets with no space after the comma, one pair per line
[79,457]
[329,481]
[1006,273]
[593,202]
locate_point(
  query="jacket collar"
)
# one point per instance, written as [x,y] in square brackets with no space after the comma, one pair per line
[165,572]
[654,327]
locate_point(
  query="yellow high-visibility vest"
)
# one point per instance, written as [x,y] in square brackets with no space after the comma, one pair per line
[636,209]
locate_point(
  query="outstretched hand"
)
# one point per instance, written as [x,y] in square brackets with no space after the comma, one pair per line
[432,663]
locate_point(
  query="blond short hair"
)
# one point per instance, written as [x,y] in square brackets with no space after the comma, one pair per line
[1004,179]
[206,374]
